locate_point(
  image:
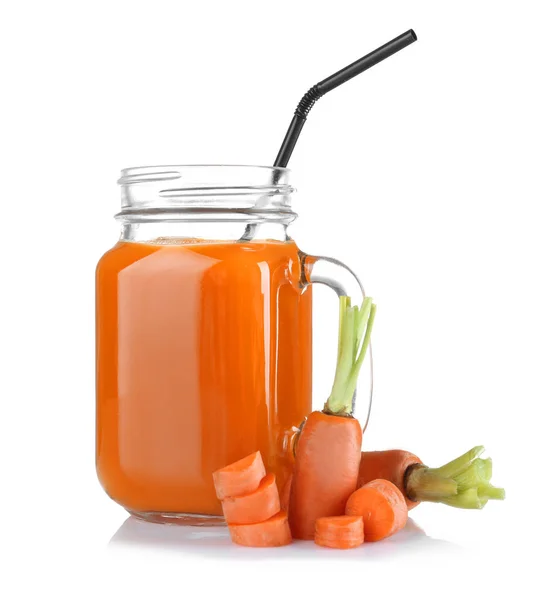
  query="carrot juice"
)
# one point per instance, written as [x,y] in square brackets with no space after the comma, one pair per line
[203,356]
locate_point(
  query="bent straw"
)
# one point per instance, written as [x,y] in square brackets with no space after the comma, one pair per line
[328,84]
[320,89]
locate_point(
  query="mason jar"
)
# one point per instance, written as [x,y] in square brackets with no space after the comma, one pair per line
[204,335]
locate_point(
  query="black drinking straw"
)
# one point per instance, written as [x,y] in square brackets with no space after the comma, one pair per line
[328,84]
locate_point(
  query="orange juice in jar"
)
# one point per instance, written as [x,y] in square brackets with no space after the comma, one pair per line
[204,335]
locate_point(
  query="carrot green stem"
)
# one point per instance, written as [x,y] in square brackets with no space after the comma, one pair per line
[462,483]
[343,307]
[461,463]
[466,499]
[354,331]
[491,492]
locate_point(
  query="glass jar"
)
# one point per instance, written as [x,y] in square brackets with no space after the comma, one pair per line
[204,335]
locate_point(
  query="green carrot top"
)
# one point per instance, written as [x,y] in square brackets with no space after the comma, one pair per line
[463,482]
[354,331]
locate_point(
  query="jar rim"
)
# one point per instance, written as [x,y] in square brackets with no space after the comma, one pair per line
[206,191]
[169,172]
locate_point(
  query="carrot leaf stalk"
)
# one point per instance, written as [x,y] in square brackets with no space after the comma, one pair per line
[355,329]
[462,483]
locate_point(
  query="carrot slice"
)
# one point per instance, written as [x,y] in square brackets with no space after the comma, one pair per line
[382,506]
[255,507]
[268,534]
[239,478]
[339,532]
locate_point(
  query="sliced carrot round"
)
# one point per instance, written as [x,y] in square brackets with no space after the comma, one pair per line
[382,506]
[268,534]
[339,532]
[255,507]
[239,478]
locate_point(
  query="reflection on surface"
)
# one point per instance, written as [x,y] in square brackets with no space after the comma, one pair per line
[214,542]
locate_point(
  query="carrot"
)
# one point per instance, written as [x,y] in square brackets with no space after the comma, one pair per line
[329,447]
[255,507]
[270,533]
[462,483]
[326,471]
[388,464]
[339,532]
[239,478]
[382,506]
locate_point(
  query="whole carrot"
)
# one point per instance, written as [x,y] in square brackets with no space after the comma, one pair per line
[326,471]
[461,483]
[329,447]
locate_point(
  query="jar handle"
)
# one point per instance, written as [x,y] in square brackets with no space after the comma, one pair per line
[340,278]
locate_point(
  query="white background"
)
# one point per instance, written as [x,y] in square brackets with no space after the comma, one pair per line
[426,175]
